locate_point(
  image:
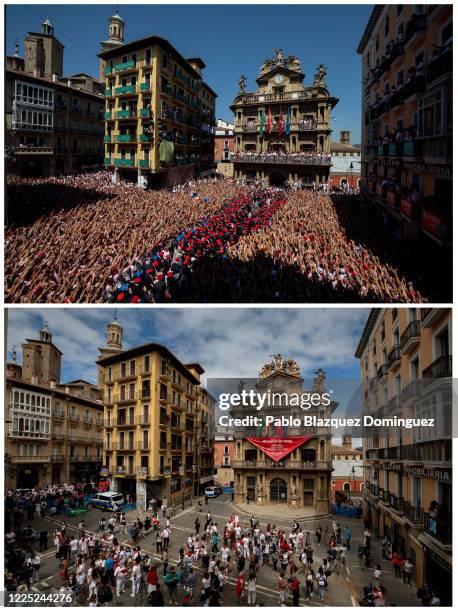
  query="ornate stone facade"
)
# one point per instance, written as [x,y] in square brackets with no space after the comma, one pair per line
[283,115]
[303,477]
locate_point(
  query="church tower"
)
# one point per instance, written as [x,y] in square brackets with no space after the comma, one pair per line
[41,360]
[115,38]
[114,344]
[44,54]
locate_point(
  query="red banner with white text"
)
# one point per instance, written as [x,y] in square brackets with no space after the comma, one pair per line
[277,448]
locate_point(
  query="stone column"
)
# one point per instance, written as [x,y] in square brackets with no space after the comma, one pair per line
[141,495]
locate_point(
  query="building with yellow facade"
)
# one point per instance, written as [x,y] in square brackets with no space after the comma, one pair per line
[157,423]
[159,114]
[406,53]
[406,368]
[53,430]
[283,129]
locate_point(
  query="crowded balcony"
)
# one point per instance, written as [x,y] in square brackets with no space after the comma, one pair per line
[125,90]
[126,114]
[439,529]
[416,25]
[300,158]
[126,66]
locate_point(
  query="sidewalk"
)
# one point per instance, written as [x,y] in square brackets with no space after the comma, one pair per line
[398,593]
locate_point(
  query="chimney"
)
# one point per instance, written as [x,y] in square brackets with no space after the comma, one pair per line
[69,82]
[34,379]
[52,384]
[54,77]
[345,137]
[35,72]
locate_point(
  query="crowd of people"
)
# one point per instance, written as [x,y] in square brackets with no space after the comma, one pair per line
[298,157]
[206,241]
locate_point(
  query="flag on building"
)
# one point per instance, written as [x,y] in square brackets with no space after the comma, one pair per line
[288,123]
[280,124]
[269,122]
[262,123]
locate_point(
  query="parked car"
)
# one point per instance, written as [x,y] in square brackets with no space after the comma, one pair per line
[106,500]
[213,491]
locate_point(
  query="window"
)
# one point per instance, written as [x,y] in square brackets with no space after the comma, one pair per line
[430,115]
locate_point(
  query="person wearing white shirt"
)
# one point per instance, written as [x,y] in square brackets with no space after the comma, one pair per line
[136,579]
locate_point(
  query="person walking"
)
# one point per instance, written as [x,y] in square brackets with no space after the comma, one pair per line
[240,587]
[347,537]
[407,571]
[251,589]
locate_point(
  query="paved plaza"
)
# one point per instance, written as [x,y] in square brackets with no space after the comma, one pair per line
[344,585]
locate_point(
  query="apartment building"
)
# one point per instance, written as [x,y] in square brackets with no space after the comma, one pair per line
[406,368]
[159,112]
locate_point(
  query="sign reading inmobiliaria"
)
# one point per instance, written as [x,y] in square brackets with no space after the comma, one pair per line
[277,448]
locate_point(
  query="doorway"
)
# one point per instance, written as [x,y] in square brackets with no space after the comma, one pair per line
[278,491]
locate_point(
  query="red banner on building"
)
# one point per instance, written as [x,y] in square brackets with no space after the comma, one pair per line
[277,448]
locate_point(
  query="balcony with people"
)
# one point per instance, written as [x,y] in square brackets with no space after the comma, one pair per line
[282,157]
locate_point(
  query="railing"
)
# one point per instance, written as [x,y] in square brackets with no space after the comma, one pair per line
[125,138]
[439,529]
[15,433]
[439,66]
[145,86]
[107,138]
[276,97]
[108,93]
[411,332]
[393,356]
[143,420]
[126,114]
[58,458]
[107,115]
[411,391]
[107,161]
[282,159]
[394,403]
[145,138]
[26,149]
[397,502]
[415,514]
[145,112]
[125,89]
[382,371]
[305,465]
[143,446]
[144,163]
[440,368]
[30,458]
[108,70]
[125,66]
[128,421]
[125,374]
[129,397]
[414,26]
[123,446]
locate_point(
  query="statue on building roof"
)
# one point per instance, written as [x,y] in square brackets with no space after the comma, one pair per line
[279,54]
[293,62]
[318,381]
[291,367]
[242,83]
[267,65]
[320,76]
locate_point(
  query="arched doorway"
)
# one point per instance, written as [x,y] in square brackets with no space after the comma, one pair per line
[343,182]
[27,478]
[276,179]
[278,491]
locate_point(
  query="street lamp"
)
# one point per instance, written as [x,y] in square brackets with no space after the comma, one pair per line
[352,474]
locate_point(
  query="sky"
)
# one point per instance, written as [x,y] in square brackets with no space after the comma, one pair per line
[230,39]
[227,342]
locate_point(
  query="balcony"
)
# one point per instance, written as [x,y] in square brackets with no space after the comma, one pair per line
[145,138]
[411,391]
[439,529]
[383,495]
[414,514]
[108,70]
[123,446]
[74,418]
[125,138]
[126,114]
[30,435]
[125,399]
[124,162]
[143,446]
[107,161]
[284,464]
[181,97]
[57,458]
[440,67]
[144,163]
[268,158]
[415,26]
[34,150]
[394,403]
[143,420]
[382,371]
[107,116]
[125,89]
[107,138]
[108,93]
[440,368]
[430,316]
[128,421]
[125,374]
[397,503]
[394,357]
[31,458]
[146,86]
[125,66]
[410,337]
[412,148]
[145,112]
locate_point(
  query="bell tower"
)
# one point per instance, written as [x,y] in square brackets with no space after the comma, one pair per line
[114,344]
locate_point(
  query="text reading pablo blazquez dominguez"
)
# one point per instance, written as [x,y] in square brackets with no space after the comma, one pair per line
[256,401]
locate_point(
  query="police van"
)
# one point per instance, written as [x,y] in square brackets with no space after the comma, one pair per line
[106,500]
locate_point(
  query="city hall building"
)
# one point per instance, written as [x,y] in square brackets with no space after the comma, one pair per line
[284,465]
[286,116]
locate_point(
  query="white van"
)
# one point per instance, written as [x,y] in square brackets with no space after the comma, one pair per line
[106,500]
